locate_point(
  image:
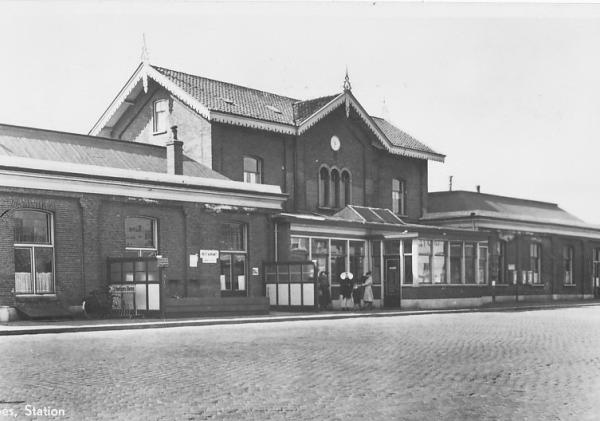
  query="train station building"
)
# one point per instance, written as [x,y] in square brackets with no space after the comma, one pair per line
[191,195]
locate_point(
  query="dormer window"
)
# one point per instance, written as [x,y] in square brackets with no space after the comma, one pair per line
[160,116]
[228,101]
[274,109]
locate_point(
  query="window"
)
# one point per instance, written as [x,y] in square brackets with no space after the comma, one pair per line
[160,116]
[320,253]
[357,258]
[470,263]
[299,249]
[596,266]
[424,261]
[335,187]
[338,259]
[323,187]
[233,256]
[140,233]
[34,252]
[502,274]
[482,275]
[345,189]
[568,265]
[535,251]
[456,269]
[439,262]
[252,170]
[408,272]
[398,196]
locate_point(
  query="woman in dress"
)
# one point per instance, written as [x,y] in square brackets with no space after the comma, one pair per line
[368,292]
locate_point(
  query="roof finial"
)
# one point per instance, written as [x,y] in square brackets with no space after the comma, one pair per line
[145,55]
[347,85]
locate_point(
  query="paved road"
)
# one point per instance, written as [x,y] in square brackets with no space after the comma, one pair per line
[510,366]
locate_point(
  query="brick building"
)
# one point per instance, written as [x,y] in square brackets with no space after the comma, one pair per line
[249,198]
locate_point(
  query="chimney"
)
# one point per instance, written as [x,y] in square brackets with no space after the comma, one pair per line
[174,154]
[478,188]
[450,183]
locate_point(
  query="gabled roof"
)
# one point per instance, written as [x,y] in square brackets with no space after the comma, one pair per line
[238,105]
[455,205]
[48,145]
[234,99]
[400,138]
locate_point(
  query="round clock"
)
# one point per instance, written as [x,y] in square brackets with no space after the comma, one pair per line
[335,143]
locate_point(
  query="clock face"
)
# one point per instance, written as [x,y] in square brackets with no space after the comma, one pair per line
[335,143]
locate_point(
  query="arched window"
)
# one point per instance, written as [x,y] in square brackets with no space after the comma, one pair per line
[34,252]
[335,187]
[253,170]
[345,188]
[399,196]
[324,187]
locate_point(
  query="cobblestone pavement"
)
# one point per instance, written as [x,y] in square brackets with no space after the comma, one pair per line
[530,365]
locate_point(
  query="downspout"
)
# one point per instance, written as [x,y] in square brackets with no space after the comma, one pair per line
[82,251]
[275,253]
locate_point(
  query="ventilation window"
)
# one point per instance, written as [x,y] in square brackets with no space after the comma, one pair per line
[227,101]
[274,109]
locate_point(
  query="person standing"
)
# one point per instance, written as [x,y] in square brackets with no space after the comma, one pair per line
[345,290]
[324,295]
[368,293]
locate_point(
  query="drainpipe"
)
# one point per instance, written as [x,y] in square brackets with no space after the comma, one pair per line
[275,254]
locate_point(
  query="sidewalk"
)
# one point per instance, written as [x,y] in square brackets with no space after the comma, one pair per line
[90,325]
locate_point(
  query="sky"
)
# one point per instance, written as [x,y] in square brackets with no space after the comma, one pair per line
[510,93]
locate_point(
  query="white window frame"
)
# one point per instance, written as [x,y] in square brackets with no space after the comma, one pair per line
[155,128]
[400,200]
[32,247]
[232,253]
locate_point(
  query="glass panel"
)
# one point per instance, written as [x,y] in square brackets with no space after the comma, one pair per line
[470,261]
[425,247]
[295,273]
[483,273]
[308,293]
[44,280]
[226,269]
[32,227]
[153,297]
[338,259]
[250,164]
[456,263]
[128,271]
[439,269]
[357,252]
[115,273]
[140,276]
[139,232]
[232,236]
[319,246]
[23,275]
[391,247]
[239,272]
[295,294]
[140,296]
[299,249]
[308,273]
[408,270]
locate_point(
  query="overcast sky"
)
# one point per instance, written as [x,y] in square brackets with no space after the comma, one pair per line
[510,93]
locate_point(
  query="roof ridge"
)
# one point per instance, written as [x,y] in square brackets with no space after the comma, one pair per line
[158,68]
[317,98]
[500,196]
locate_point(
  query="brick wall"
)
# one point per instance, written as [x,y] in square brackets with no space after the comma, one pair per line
[82,249]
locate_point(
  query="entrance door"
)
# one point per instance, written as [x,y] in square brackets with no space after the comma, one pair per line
[391,296]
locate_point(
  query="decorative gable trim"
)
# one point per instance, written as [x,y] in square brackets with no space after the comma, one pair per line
[119,100]
[347,99]
[183,96]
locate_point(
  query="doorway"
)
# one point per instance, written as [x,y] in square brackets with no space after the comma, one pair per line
[391,296]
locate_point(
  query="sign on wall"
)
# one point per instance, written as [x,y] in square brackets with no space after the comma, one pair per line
[209,256]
